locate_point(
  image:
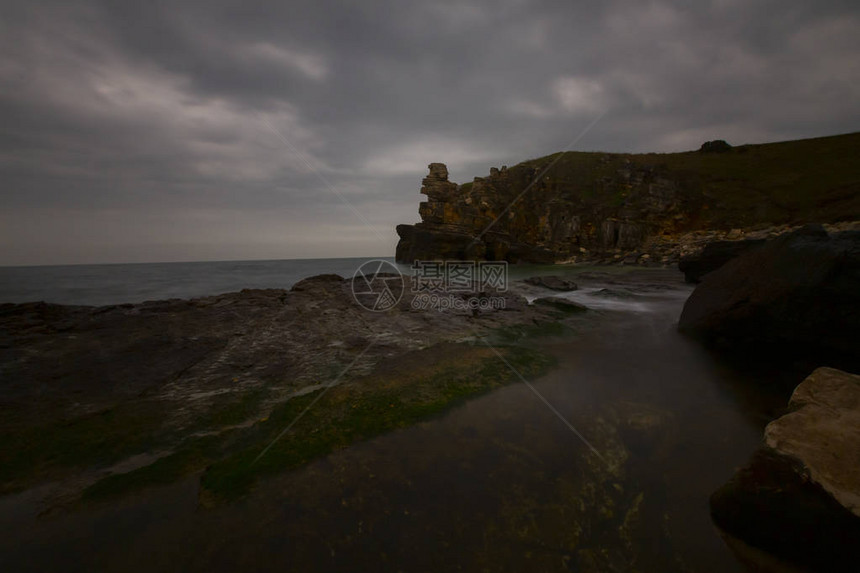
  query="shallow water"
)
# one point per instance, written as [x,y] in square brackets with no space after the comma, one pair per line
[499,483]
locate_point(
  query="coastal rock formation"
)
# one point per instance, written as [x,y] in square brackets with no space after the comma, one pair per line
[799,291]
[485,219]
[799,497]
[151,374]
[713,256]
[279,339]
[638,209]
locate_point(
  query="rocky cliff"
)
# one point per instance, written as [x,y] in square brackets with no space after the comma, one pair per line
[578,206]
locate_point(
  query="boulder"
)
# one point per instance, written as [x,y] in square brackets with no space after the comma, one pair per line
[715,146]
[798,293]
[799,496]
[552,282]
[714,256]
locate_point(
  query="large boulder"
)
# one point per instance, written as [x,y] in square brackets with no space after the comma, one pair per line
[799,292]
[714,256]
[799,497]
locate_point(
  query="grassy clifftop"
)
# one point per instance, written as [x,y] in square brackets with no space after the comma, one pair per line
[601,206]
[773,183]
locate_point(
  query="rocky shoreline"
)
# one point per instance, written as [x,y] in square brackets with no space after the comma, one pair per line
[142,391]
[101,402]
[796,297]
[488,480]
[799,496]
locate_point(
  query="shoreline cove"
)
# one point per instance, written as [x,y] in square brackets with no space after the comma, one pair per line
[534,491]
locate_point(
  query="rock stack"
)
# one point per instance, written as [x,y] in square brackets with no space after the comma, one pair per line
[440,193]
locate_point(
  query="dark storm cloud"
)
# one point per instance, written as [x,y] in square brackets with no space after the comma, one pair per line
[155,130]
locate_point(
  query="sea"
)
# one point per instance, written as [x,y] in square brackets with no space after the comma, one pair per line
[106,284]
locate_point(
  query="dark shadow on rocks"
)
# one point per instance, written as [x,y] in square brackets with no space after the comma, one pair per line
[770,505]
[797,297]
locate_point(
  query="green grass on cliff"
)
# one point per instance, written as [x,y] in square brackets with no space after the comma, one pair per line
[767,184]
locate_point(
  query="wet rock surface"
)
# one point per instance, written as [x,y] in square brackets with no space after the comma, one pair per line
[498,483]
[799,291]
[156,372]
[799,496]
[714,256]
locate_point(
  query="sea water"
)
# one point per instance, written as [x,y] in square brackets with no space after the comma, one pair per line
[137,282]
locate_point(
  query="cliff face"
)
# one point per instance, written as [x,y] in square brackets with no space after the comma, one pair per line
[552,220]
[597,206]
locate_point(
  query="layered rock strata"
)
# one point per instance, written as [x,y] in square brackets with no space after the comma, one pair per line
[634,209]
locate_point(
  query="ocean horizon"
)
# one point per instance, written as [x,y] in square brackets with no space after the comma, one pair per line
[119,283]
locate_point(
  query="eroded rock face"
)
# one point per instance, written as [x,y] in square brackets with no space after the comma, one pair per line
[492,219]
[799,497]
[799,291]
[612,207]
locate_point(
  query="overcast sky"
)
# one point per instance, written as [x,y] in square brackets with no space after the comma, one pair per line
[167,131]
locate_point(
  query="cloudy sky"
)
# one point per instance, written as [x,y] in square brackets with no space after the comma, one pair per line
[168,131]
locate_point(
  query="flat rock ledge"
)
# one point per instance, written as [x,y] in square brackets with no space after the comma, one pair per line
[799,496]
